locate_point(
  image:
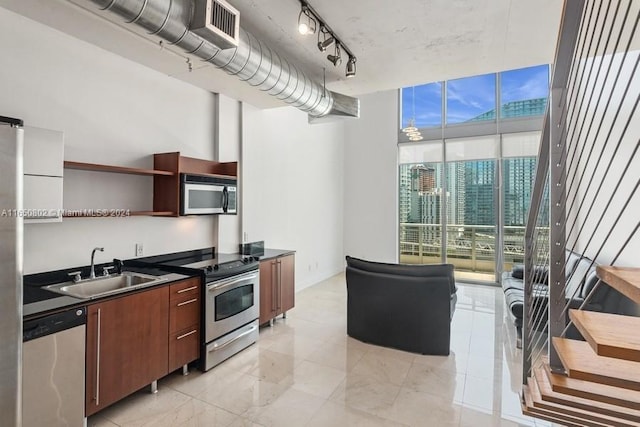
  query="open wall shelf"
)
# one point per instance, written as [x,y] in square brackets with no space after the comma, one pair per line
[166,182]
[114,169]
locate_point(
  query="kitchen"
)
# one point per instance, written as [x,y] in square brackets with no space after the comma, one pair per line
[114,111]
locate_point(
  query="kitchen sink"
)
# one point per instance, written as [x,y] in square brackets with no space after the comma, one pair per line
[101,286]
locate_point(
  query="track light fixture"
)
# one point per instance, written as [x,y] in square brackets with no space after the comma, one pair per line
[351,67]
[336,58]
[308,21]
[326,41]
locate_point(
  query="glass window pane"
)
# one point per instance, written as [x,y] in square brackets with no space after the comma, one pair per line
[421,200]
[471,99]
[471,219]
[422,105]
[524,91]
[518,177]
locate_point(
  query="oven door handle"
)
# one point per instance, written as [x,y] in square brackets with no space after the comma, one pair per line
[234,339]
[226,284]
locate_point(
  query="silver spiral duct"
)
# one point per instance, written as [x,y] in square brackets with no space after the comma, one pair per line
[252,61]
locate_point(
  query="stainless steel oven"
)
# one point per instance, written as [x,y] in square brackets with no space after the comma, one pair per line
[232,308]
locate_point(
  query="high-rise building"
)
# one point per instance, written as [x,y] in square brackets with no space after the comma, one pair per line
[524,108]
[456,190]
[518,174]
[479,207]
[423,178]
[404,195]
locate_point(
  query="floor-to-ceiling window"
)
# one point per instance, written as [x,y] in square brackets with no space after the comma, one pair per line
[466,167]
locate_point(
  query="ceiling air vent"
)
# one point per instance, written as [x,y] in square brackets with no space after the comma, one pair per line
[217,22]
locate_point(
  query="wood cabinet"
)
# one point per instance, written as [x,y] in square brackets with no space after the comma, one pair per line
[138,338]
[277,287]
[185,302]
[126,346]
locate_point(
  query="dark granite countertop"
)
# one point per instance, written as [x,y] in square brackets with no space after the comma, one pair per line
[274,253]
[39,302]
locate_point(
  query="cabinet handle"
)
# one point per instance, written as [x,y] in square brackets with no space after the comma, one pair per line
[187,334]
[279,284]
[187,289]
[98,359]
[187,302]
[274,284]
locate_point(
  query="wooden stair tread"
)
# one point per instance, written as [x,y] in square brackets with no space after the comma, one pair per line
[610,335]
[624,279]
[555,416]
[529,410]
[588,416]
[582,363]
[547,394]
[593,391]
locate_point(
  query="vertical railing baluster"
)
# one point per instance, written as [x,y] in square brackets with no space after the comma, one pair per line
[557,218]
[552,156]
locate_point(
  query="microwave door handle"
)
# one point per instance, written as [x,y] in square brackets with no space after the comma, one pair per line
[225,199]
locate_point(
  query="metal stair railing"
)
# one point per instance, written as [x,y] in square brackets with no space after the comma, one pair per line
[589,162]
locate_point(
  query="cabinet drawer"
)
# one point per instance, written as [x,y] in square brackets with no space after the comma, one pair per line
[184,347]
[184,312]
[187,287]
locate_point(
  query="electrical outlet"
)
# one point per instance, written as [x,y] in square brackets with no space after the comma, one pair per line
[139,249]
[245,237]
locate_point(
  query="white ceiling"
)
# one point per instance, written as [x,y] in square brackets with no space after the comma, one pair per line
[397,43]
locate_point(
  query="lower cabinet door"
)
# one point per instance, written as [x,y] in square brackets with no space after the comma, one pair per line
[127,346]
[267,291]
[286,276]
[184,347]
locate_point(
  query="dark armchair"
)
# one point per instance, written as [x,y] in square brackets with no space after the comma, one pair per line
[408,307]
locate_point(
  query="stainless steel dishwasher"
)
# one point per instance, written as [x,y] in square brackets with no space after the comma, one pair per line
[53,365]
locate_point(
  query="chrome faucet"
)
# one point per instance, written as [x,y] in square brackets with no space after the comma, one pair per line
[92,273]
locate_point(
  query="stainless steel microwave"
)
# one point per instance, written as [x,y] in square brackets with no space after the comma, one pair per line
[207,195]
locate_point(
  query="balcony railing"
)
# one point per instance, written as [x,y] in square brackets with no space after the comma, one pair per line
[469,247]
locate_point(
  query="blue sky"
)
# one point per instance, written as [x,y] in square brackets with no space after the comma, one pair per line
[471,96]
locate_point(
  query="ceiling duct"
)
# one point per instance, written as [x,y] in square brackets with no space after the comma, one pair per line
[251,61]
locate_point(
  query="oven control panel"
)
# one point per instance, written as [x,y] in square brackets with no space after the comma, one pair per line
[232,267]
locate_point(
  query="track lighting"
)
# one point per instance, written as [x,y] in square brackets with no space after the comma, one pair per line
[351,67]
[328,41]
[306,22]
[335,59]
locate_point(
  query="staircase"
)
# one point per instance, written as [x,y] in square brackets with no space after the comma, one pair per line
[602,382]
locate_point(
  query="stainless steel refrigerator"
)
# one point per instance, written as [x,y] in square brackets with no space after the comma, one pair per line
[11,135]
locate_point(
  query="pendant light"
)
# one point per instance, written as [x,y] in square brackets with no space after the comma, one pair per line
[411,130]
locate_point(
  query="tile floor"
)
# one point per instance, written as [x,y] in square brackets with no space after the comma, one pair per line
[305,371]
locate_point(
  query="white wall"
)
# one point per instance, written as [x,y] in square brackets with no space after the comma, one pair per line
[292,188]
[600,232]
[111,111]
[371,180]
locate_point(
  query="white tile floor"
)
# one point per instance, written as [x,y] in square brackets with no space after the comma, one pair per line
[305,371]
